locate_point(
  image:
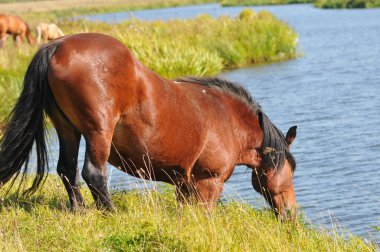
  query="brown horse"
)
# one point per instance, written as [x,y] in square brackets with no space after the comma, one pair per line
[191,132]
[14,25]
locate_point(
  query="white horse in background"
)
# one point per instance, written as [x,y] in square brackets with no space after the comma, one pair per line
[48,32]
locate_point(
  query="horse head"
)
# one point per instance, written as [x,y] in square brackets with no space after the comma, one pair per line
[273,177]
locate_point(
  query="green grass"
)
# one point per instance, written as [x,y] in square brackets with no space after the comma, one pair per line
[338,4]
[261,2]
[13,64]
[150,220]
[325,4]
[202,46]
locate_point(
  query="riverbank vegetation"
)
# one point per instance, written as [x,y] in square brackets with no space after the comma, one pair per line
[151,220]
[202,46]
[261,2]
[325,4]
[349,4]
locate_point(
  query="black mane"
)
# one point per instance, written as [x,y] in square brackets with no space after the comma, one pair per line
[274,148]
[232,88]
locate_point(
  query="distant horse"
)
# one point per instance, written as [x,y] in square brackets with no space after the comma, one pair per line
[15,26]
[47,32]
[190,133]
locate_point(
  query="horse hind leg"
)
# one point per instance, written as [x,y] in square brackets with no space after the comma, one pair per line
[94,171]
[67,167]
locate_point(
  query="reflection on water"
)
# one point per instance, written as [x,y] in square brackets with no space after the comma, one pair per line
[332,94]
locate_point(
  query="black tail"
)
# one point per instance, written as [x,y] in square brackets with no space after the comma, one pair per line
[26,124]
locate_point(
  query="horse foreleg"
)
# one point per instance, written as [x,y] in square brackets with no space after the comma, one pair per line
[95,168]
[17,40]
[183,192]
[3,38]
[208,191]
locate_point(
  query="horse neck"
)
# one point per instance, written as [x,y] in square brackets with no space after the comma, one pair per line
[248,133]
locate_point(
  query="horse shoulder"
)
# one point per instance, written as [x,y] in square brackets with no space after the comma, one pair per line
[218,152]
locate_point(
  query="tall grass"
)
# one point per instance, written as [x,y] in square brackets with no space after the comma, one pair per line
[204,45]
[151,220]
[13,64]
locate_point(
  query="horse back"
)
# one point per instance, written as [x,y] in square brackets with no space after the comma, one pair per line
[16,25]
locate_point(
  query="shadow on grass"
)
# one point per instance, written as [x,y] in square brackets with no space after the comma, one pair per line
[145,240]
[54,203]
[27,204]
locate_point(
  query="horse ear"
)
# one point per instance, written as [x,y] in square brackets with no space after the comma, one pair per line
[291,135]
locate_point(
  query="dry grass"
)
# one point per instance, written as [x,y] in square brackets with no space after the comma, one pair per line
[59,5]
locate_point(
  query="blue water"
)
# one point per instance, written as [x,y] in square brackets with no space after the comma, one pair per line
[332,93]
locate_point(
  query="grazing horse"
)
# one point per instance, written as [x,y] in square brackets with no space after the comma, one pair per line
[47,32]
[191,132]
[14,25]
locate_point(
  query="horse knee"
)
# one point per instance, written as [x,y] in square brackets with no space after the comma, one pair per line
[94,176]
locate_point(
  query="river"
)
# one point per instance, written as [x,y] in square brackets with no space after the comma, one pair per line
[332,93]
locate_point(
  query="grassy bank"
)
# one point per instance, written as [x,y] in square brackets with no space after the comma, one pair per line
[261,2]
[325,4]
[151,221]
[200,46]
[338,4]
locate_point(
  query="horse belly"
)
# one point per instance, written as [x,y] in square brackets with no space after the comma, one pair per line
[141,147]
[138,163]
